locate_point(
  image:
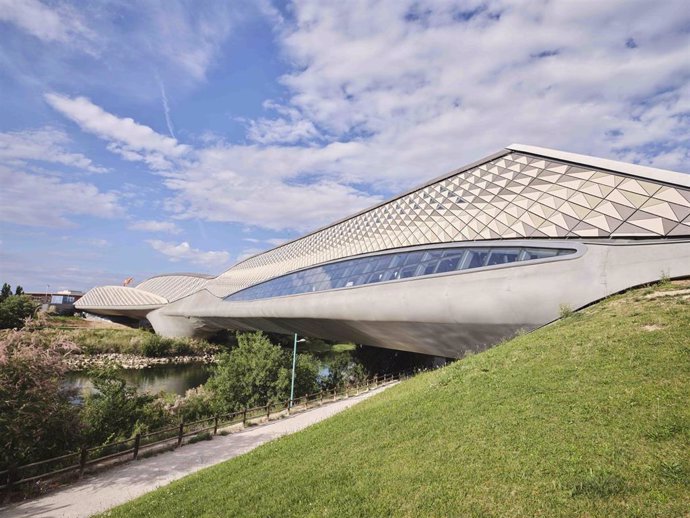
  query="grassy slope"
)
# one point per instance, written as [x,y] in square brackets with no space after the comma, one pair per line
[587,417]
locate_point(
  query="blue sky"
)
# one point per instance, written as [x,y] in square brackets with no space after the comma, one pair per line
[146,137]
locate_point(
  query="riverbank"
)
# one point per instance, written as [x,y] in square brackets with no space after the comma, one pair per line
[129,347]
[81,362]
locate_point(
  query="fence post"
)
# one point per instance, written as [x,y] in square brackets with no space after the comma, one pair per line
[321,398]
[268,411]
[11,478]
[180,433]
[137,443]
[244,417]
[335,391]
[82,460]
[215,424]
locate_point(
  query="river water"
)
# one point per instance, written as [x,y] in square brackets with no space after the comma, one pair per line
[170,378]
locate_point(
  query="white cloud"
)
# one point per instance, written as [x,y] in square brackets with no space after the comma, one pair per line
[38,200]
[184,252]
[427,86]
[42,145]
[133,141]
[57,24]
[290,127]
[385,95]
[156,226]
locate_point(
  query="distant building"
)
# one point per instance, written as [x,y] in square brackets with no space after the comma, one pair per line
[60,302]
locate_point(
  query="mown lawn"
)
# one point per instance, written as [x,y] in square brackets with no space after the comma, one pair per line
[586,417]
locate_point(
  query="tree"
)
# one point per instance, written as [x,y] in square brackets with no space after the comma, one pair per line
[37,417]
[257,372]
[14,310]
[5,292]
[116,411]
[19,290]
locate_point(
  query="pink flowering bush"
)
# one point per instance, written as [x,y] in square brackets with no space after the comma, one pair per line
[37,419]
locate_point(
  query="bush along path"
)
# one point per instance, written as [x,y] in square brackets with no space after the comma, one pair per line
[101,490]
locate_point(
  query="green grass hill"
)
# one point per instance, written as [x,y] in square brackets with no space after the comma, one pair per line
[589,416]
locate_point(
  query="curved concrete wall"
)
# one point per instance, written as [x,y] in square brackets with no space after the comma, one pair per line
[444,314]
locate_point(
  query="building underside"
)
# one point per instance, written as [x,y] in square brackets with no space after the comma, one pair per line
[458,264]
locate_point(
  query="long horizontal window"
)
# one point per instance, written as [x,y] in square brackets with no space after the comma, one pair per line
[391,267]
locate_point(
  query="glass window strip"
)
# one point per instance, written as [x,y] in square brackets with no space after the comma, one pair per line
[392,267]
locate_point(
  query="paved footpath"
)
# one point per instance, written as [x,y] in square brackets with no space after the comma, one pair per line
[99,492]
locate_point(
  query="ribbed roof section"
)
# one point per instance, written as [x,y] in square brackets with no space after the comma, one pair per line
[174,286]
[119,297]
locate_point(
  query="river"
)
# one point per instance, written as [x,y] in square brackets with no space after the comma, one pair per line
[175,378]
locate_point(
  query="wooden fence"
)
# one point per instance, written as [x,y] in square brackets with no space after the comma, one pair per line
[76,463]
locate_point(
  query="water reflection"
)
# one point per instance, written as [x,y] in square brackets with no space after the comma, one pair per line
[169,378]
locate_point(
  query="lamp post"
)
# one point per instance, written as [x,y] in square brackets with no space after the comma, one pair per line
[294,362]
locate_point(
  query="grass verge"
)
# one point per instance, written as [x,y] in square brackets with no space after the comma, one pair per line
[586,417]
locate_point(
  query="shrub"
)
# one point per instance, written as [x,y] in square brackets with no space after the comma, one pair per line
[203,436]
[156,346]
[565,310]
[257,372]
[116,411]
[37,418]
[196,404]
[15,309]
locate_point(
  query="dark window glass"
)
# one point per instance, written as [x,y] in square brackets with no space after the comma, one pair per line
[408,271]
[433,254]
[428,268]
[390,267]
[448,264]
[537,253]
[503,256]
[375,277]
[413,258]
[398,260]
[382,263]
[475,259]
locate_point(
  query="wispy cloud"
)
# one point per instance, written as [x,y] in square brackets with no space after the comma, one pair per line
[184,252]
[58,23]
[166,108]
[156,226]
[47,201]
[131,140]
[42,145]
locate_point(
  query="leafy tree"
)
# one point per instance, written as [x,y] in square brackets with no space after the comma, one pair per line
[14,310]
[116,411]
[257,372]
[5,292]
[19,290]
[37,418]
[343,371]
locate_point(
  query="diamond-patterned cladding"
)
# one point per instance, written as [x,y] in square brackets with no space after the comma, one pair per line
[514,196]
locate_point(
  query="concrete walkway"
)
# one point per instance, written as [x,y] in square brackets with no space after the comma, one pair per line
[99,492]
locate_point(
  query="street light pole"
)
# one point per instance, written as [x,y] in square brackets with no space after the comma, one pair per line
[294,362]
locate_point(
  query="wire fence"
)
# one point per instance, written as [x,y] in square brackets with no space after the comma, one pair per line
[98,457]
